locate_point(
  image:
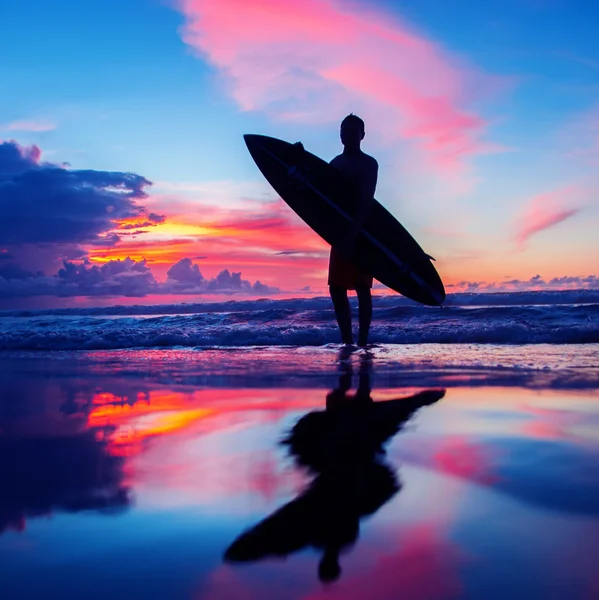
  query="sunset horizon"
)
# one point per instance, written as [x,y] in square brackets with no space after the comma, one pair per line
[125,174]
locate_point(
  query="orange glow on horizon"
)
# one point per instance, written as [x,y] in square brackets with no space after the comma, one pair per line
[267,242]
[174,229]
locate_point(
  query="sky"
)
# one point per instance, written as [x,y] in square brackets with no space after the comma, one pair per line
[124,177]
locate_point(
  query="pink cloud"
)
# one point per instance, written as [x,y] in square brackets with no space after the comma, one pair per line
[546,210]
[32,126]
[316,60]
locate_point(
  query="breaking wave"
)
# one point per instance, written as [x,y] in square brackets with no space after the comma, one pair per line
[307,322]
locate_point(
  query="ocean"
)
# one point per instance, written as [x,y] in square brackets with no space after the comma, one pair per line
[516,318]
[237,450]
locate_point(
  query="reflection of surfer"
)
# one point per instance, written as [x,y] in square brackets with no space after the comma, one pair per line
[344,275]
[343,447]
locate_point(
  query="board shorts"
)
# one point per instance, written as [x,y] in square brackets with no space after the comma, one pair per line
[345,274]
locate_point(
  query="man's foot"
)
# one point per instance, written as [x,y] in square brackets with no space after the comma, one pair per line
[346,351]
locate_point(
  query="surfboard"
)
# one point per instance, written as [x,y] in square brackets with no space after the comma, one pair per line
[325,200]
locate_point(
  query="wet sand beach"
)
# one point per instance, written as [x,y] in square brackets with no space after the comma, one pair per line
[299,473]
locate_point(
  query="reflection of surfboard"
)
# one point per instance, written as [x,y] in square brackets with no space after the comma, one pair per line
[342,447]
[324,198]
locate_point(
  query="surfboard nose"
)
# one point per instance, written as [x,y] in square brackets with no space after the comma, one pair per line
[251,139]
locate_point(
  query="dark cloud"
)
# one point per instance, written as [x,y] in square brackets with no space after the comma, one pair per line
[534,283]
[470,286]
[123,278]
[46,203]
[262,288]
[13,271]
[226,280]
[185,272]
[43,205]
[15,159]
[127,226]
[115,278]
[302,253]
[591,281]
[186,277]
[134,232]
[109,241]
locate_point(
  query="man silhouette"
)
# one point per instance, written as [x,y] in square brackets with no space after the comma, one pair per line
[343,449]
[362,170]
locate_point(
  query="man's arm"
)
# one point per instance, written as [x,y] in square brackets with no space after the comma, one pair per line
[367,190]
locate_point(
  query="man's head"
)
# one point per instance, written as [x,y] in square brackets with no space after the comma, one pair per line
[329,569]
[352,131]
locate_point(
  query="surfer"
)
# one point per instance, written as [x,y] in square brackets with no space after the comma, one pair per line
[344,275]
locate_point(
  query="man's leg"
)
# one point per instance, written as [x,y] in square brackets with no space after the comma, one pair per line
[342,312]
[365,313]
